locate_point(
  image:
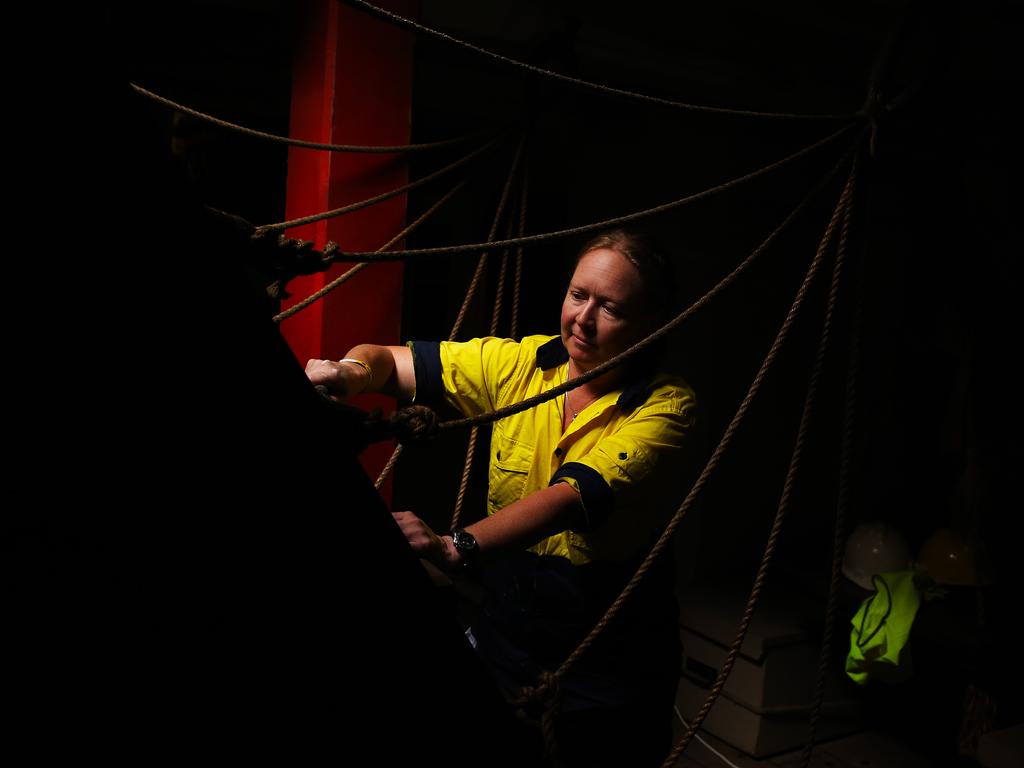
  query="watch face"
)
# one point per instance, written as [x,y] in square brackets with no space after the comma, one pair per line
[463,541]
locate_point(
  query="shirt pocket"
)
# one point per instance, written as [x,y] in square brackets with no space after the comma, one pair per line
[511,460]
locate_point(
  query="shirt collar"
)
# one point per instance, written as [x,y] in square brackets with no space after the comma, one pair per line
[637,387]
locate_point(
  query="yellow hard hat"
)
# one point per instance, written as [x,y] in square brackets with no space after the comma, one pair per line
[950,559]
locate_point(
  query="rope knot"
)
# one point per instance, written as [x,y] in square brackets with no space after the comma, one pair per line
[544,693]
[412,424]
[408,425]
[282,258]
[545,696]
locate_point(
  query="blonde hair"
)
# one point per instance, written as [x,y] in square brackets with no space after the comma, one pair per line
[646,255]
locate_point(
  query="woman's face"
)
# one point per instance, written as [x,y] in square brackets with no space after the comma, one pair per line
[604,311]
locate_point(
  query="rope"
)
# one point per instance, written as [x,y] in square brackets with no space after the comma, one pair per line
[547,687]
[296,142]
[725,441]
[412,424]
[393,459]
[490,238]
[467,466]
[546,692]
[362,265]
[607,223]
[636,349]
[842,505]
[388,467]
[265,228]
[470,291]
[401,21]
[399,447]
[794,462]
[499,292]
[518,281]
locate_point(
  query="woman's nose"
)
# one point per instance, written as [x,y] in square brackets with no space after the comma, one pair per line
[585,317]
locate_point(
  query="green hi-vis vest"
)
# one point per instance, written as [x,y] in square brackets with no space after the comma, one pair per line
[881,628]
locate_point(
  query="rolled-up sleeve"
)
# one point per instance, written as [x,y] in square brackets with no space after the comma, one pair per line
[469,375]
[631,463]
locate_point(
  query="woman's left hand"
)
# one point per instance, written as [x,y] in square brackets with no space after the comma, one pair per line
[424,542]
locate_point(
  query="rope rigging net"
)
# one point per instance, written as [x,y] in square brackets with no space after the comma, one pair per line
[515,238]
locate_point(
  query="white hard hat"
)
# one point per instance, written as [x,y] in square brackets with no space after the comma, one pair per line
[874,547]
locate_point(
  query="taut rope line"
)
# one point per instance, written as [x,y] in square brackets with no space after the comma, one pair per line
[518,281]
[394,18]
[842,502]
[607,223]
[297,142]
[560,389]
[471,446]
[363,264]
[791,472]
[549,684]
[263,229]
[458,322]
[485,418]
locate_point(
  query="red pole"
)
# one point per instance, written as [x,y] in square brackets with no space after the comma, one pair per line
[352,84]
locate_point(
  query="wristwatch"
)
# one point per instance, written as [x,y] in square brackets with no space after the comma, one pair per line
[465,544]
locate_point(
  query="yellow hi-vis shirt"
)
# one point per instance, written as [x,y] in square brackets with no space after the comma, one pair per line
[621,454]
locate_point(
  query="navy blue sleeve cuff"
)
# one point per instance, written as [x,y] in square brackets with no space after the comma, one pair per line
[595,494]
[426,363]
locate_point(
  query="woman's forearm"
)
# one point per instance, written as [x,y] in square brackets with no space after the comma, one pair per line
[527,521]
[391,369]
[366,368]
[518,525]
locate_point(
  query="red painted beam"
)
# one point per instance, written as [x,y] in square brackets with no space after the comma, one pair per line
[352,84]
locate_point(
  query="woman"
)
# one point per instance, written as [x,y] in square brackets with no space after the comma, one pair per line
[578,487]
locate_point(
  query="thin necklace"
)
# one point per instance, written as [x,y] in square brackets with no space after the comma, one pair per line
[568,407]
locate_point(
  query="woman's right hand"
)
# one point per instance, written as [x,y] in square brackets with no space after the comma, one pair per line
[342,380]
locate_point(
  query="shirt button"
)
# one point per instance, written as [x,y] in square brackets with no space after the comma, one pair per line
[558,451]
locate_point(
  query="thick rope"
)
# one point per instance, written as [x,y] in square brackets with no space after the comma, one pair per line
[548,692]
[640,346]
[297,142]
[388,467]
[412,424]
[598,225]
[266,228]
[791,472]
[546,688]
[518,281]
[654,337]
[467,466]
[362,265]
[842,503]
[727,437]
[499,292]
[605,89]
[502,203]
[470,291]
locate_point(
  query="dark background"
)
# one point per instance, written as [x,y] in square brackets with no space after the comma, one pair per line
[933,243]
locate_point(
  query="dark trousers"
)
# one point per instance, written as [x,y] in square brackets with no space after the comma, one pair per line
[615,706]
